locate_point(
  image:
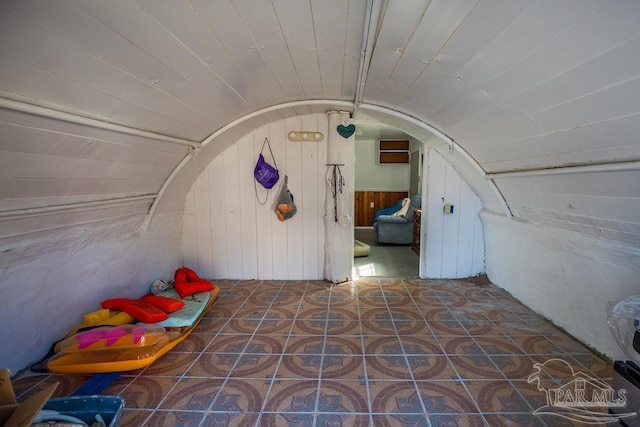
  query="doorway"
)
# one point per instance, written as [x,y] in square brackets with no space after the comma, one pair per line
[379,186]
[388,261]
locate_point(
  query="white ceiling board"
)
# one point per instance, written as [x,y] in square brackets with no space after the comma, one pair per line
[330,22]
[48,167]
[579,45]
[261,23]
[353,47]
[518,84]
[152,173]
[131,171]
[539,22]
[302,110]
[189,28]
[89,171]
[442,82]
[611,103]
[398,21]
[88,35]
[23,165]
[177,71]
[609,184]
[607,69]
[261,120]
[29,82]
[615,101]
[610,141]
[142,155]
[26,188]
[167,158]
[537,25]
[37,175]
[482,24]
[296,21]
[535,194]
[29,133]
[43,223]
[440,21]
[24,139]
[28,140]
[228,27]
[39,49]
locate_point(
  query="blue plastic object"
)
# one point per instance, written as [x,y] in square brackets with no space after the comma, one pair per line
[86,408]
[96,384]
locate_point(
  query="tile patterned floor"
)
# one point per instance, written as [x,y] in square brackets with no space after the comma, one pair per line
[365,353]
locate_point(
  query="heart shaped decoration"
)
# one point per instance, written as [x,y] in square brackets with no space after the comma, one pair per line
[346,131]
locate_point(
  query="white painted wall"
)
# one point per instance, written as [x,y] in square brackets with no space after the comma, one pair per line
[567,276]
[227,233]
[47,288]
[452,244]
[371,176]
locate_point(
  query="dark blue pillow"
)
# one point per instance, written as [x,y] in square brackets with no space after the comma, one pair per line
[388,211]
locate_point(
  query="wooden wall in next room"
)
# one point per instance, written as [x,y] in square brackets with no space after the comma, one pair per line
[364,213]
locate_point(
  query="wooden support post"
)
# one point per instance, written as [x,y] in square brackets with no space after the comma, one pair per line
[338,216]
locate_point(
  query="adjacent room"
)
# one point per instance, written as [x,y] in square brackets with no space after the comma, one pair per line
[384,178]
[320,212]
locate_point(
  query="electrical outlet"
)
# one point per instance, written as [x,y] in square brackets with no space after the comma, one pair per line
[371,205]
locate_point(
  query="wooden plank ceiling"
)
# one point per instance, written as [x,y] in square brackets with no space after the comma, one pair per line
[518,84]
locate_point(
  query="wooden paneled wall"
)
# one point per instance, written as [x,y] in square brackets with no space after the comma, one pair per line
[364,213]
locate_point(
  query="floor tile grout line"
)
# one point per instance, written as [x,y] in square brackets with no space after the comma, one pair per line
[489,356]
[324,347]
[460,379]
[513,382]
[424,319]
[226,379]
[463,381]
[447,356]
[363,354]
[168,393]
[406,360]
[242,352]
[282,354]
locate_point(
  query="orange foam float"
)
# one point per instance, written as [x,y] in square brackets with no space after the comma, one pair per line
[127,347]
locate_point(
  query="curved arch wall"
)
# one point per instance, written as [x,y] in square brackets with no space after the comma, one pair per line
[565,269]
[564,266]
[228,233]
[540,95]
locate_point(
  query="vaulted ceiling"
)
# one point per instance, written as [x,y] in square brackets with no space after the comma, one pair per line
[102,103]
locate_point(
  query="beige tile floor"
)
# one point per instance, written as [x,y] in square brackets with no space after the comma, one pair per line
[370,352]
